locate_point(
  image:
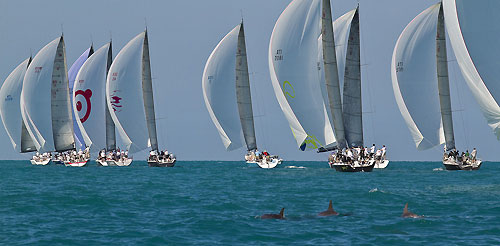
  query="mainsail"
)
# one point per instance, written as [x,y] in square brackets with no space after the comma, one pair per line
[296,74]
[10,109]
[331,74]
[45,95]
[129,95]
[243,95]
[72,72]
[415,80]
[474,33]
[346,29]
[219,89]
[90,100]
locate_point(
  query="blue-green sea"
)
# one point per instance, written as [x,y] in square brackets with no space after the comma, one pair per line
[219,203]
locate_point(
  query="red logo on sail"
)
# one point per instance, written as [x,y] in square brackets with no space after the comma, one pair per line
[86,94]
[116,102]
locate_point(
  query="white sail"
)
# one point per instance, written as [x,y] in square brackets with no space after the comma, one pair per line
[125,97]
[89,102]
[46,99]
[219,90]
[474,33]
[147,91]
[414,79]
[72,72]
[243,95]
[331,74]
[296,73]
[10,109]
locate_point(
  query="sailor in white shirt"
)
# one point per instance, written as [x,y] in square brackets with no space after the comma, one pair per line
[372,150]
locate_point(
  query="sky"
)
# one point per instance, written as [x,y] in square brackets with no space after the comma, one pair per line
[182,34]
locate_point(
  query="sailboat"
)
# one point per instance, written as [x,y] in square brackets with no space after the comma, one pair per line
[129,95]
[45,101]
[307,71]
[10,110]
[91,110]
[419,63]
[226,90]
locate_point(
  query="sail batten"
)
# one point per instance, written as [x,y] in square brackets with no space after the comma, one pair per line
[331,73]
[243,95]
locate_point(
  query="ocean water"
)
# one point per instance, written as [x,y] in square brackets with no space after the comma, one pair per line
[219,203]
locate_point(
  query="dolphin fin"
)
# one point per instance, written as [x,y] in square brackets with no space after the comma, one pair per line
[282,212]
[405,210]
[330,207]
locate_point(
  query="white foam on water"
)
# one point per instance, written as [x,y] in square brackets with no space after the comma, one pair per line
[298,167]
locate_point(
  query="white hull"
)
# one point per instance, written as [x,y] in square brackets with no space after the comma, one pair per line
[76,164]
[381,164]
[265,164]
[113,163]
[41,163]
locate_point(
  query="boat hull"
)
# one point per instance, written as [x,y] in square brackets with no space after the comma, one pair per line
[381,164]
[345,167]
[76,164]
[41,163]
[162,163]
[113,163]
[454,166]
[265,164]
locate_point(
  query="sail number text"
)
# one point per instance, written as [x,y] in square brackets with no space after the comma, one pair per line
[278,56]
[399,67]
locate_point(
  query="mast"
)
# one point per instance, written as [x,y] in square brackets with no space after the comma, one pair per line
[443,82]
[243,95]
[331,74]
[110,125]
[352,102]
[147,90]
[62,120]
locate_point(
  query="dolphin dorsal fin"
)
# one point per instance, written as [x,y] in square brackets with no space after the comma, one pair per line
[282,212]
[405,210]
[330,207]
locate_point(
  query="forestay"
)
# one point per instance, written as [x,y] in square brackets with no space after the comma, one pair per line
[219,90]
[90,99]
[127,85]
[415,80]
[474,33]
[296,73]
[45,95]
[10,109]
